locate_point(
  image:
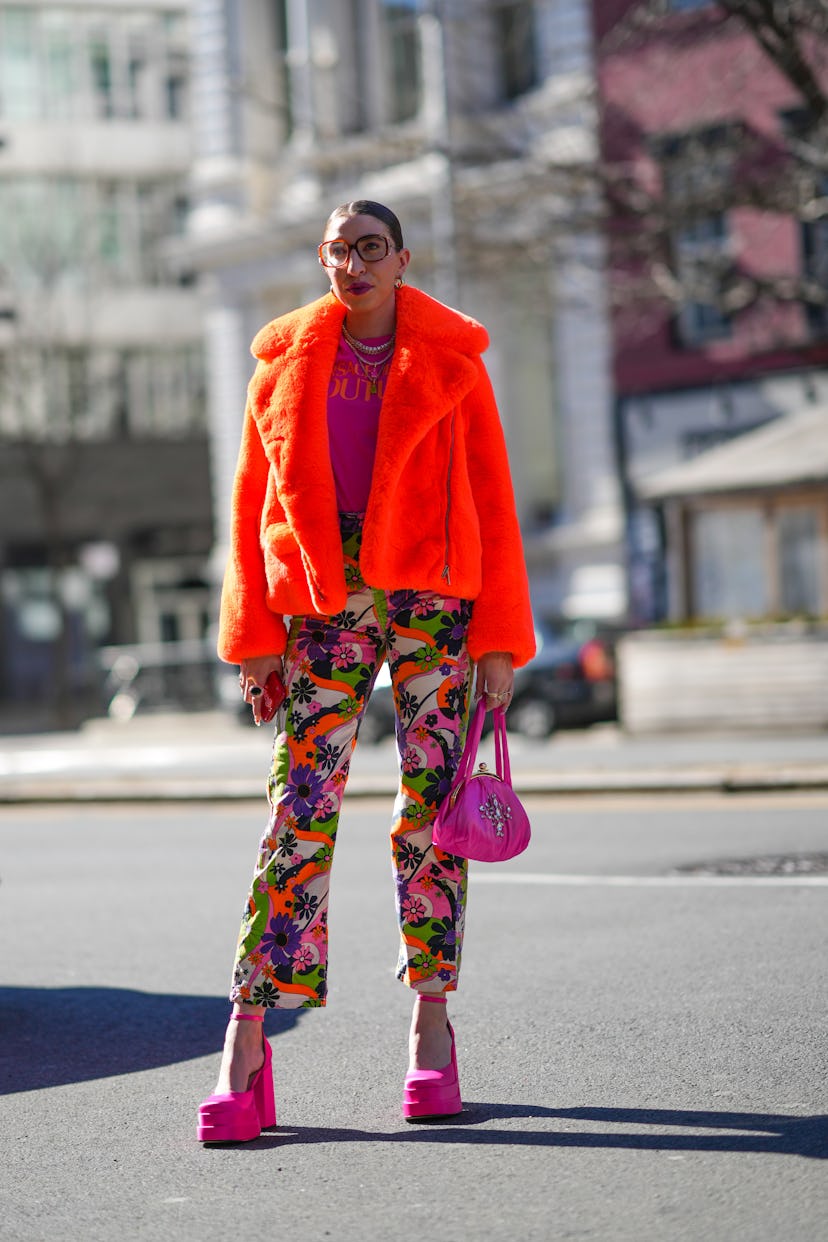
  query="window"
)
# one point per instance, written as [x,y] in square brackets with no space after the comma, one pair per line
[749,561]
[403,58]
[515,35]
[56,64]
[729,563]
[284,85]
[815,266]
[699,248]
[799,560]
[18,64]
[104,394]
[74,231]
[697,171]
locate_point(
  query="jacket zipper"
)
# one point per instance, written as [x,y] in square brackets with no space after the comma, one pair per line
[446,569]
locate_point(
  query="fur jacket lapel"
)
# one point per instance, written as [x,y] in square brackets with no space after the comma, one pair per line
[431,371]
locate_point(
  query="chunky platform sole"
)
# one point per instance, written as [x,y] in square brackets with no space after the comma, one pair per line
[240,1116]
[431,1094]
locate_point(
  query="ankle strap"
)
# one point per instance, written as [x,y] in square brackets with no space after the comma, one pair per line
[247,1017]
[432,1000]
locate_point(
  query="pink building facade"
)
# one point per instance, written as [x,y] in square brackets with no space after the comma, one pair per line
[696,119]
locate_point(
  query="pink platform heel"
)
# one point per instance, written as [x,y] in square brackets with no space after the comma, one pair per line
[239,1116]
[429,1094]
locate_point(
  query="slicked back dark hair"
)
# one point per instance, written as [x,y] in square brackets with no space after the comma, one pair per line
[366,207]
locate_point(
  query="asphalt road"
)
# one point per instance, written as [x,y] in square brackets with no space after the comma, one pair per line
[642,1052]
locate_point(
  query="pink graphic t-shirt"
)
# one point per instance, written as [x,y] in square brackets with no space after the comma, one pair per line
[353,421]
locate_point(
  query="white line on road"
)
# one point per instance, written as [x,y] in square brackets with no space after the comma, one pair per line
[651,881]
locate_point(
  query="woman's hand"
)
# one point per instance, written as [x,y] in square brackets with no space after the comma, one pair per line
[252,676]
[495,678]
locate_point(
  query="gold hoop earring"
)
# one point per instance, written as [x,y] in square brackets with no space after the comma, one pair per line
[399,282]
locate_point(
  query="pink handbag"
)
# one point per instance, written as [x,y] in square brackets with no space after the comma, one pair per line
[481,816]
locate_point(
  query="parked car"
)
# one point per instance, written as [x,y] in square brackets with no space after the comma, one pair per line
[570,681]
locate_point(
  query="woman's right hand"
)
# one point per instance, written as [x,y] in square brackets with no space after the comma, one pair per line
[252,676]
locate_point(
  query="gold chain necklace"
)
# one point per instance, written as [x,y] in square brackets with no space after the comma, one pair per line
[372,371]
[364,349]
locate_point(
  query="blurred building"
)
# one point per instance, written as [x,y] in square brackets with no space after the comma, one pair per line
[105,508]
[471,119]
[720,256]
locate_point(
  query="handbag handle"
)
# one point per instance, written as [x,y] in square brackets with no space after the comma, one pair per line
[465,768]
[502,766]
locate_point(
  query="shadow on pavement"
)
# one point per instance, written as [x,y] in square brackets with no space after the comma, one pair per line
[768,1133]
[56,1036]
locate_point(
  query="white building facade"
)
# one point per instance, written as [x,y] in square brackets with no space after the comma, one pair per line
[105,510]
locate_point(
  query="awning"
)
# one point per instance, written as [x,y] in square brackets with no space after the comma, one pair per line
[790,451]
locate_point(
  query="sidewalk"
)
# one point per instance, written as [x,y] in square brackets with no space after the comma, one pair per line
[210,755]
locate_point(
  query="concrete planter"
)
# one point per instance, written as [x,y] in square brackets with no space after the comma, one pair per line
[766,677]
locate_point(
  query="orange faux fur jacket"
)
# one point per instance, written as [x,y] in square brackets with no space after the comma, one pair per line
[441,512]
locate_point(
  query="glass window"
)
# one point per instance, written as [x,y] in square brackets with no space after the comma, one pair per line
[799,560]
[60,76]
[284,88]
[515,34]
[100,67]
[698,249]
[729,575]
[403,54]
[19,94]
[57,63]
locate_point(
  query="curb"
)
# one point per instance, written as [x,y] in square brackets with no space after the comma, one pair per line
[228,789]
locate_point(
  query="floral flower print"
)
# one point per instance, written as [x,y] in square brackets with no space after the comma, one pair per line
[414,909]
[437,784]
[411,760]
[284,932]
[401,601]
[443,938]
[417,815]
[345,620]
[313,643]
[348,708]
[327,755]
[407,856]
[281,941]
[304,958]
[452,633]
[303,690]
[407,705]
[323,857]
[266,994]
[305,904]
[286,843]
[427,658]
[305,786]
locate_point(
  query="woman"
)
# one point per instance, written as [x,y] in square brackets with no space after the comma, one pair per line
[373,510]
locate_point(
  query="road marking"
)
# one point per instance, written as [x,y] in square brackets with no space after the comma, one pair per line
[651,881]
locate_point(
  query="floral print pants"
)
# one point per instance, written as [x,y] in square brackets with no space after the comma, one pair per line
[330,667]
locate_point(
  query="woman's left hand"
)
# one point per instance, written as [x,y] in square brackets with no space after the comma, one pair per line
[495,679]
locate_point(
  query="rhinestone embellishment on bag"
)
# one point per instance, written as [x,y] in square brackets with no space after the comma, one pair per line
[496,813]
